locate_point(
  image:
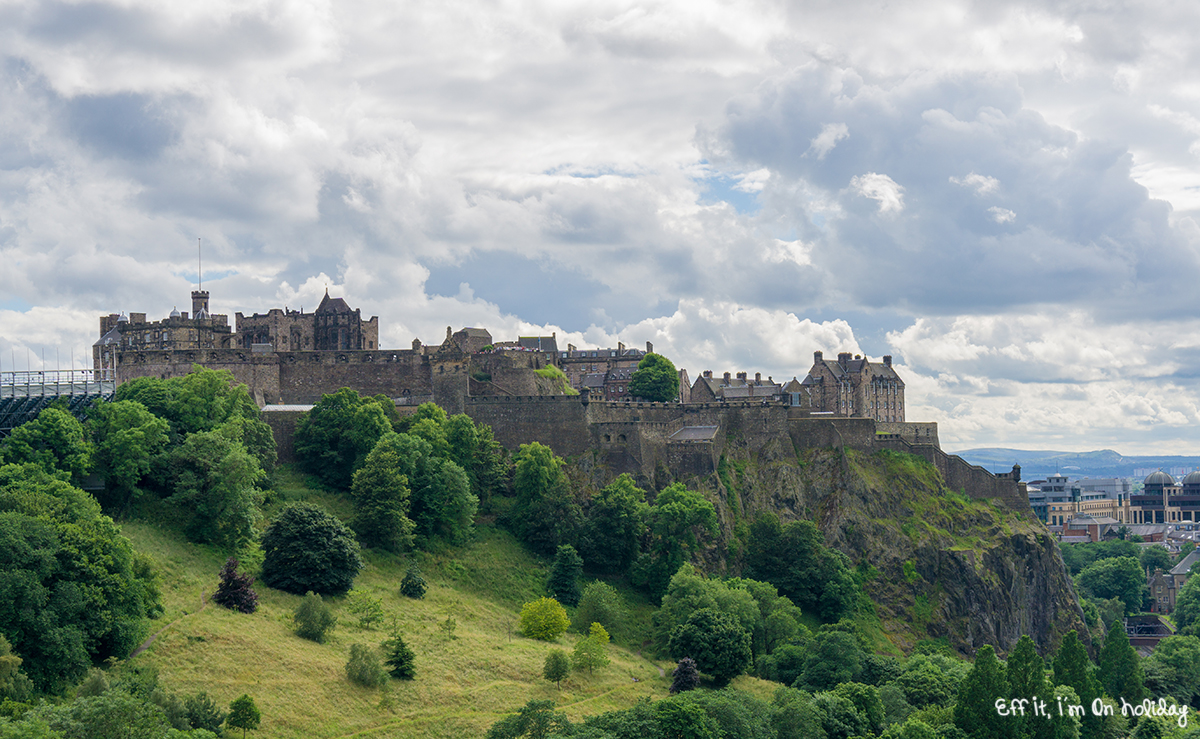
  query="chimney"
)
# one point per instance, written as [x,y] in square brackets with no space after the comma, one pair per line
[758,378]
[708,373]
[649,348]
[570,347]
[741,376]
[844,358]
[726,378]
[887,360]
[818,356]
[620,348]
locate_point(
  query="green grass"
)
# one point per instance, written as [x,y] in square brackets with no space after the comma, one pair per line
[463,685]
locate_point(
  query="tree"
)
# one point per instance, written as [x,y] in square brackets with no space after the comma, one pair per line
[243,714]
[543,619]
[333,439]
[794,559]
[1173,668]
[368,609]
[679,520]
[685,677]
[563,583]
[313,618]
[1074,669]
[55,441]
[600,603]
[866,699]
[718,643]
[535,720]
[128,438]
[73,591]
[214,483]
[1187,604]
[381,499]
[401,662]
[835,658]
[203,712]
[1026,673]
[1117,577]
[975,710]
[545,514]
[447,506]
[839,716]
[614,524]
[1120,669]
[592,650]
[363,667]
[1156,557]
[413,585]
[234,591]
[556,667]
[306,549]
[655,379]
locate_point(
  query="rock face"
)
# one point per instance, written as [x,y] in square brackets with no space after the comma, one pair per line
[938,564]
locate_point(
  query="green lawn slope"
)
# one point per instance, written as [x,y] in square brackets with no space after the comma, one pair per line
[463,684]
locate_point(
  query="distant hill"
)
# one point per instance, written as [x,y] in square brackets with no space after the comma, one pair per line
[1037,464]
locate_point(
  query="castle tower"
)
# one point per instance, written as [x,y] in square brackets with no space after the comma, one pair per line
[200,303]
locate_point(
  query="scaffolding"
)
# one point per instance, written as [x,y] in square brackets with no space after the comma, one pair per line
[23,395]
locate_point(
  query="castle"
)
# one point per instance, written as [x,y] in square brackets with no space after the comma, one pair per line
[289,359]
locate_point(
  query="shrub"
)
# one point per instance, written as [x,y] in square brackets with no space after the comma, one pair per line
[306,549]
[234,591]
[686,676]
[368,610]
[413,585]
[543,619]
[364,668]
[313,618]
[203,713]
[592,650]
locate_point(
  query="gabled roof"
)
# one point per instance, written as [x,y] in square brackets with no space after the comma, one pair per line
[794,386]
[333,305]
[538,343]
[113,336]
[1185,564]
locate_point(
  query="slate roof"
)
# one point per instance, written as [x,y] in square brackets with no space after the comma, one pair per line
[694,433]
[1185,564]
[538,343]
[333,305]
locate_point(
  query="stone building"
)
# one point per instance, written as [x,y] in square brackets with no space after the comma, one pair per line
[1162,500]
[334,326]
[708,389]
[852,386]
[617,365]
[202,330]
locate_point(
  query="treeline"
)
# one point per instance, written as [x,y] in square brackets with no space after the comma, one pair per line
[1110,577]
[841,691]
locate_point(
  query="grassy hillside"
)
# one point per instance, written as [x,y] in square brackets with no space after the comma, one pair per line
[463,684]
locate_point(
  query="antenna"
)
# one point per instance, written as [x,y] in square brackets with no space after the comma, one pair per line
[199,265]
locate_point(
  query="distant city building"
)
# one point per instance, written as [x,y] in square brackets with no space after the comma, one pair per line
[334,326]
[709,389]
[1056,500]
[852,386]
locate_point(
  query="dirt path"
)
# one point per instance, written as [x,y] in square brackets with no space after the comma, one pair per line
[150,640]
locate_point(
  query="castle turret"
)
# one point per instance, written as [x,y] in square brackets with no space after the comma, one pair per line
[200,303]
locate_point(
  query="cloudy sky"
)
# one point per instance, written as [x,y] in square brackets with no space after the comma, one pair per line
[1004,196]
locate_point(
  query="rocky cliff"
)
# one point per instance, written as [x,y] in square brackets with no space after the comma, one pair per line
[939,565]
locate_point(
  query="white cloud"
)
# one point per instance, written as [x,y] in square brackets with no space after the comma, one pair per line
[1002,215]
[981,184]
[880,188]
[831,133]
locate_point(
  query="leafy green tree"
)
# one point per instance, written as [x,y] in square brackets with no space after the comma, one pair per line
[543,619]
[1156,557]
[1173,668]
[931,680]
[413,585]
[214,482]
[794,715]
[834,658]
[614,524]
[203,712]
[235,591]
[795,559]
[719,644]
[683,719]
[73,591]
[839,716]
[1073,668]
[313,618]
[446,506]
[306,548]
[685,677]
[14,685]
[128,438]
[563,583]
[114,714]
[55,441]
[425,411]
[1118,577]
[1187,604]
[333,439]
[462,441]
[600,603]
[680,521]
[592,650]
[975,711]
[381,498]
[491,465]
[535,720]
[363,667]
[1026,673]
[243,714]
[546,514]
[655,379]
[401,662]
[557,667]
[689,591]
[367,608]
[866,699]
[1120,672]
